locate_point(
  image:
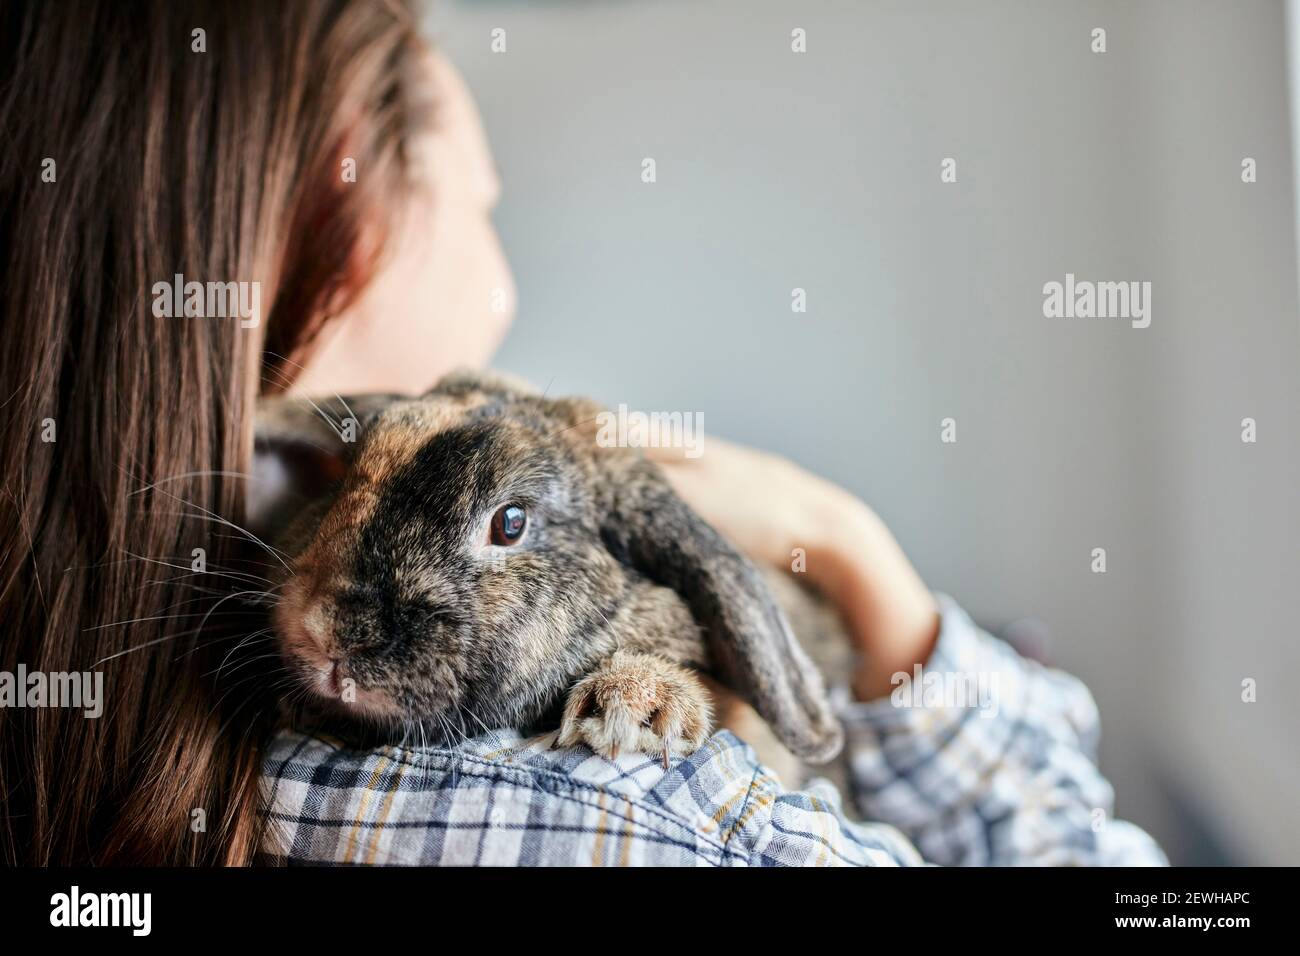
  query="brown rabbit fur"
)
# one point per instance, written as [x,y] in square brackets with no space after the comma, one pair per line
[400,608]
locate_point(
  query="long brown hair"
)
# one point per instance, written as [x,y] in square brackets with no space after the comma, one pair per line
[139,141]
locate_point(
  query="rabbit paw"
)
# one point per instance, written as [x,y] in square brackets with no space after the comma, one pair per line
[637,702]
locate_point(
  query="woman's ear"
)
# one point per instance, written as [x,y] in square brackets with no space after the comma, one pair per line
[648,527]
[301,451]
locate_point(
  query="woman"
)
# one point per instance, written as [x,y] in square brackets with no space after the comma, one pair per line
[322,155]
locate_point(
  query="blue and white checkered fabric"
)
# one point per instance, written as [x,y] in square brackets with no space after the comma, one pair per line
[957,783]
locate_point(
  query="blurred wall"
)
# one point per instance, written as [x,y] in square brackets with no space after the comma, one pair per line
[820,170]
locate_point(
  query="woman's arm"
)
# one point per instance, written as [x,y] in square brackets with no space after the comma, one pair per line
[768,507]
[990,761]
[995,762]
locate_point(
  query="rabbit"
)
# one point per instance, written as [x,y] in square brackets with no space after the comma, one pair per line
[475,557]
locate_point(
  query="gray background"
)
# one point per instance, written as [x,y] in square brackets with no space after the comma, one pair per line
[821,171]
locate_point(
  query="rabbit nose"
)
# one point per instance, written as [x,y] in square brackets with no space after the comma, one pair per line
[361,632]
[380,629]
[306,632]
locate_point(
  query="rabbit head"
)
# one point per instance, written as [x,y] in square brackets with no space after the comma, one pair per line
[475,541]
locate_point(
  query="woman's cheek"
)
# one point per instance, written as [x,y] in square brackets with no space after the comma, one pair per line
[444,298]
[471,290]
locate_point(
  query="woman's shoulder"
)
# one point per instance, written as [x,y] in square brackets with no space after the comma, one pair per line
[503,799]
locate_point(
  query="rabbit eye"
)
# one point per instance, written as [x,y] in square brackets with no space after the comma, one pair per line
[508,525]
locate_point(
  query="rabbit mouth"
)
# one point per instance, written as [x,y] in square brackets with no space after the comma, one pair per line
[333,682]
[310,649]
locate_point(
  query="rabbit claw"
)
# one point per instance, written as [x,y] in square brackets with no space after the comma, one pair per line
[637,702]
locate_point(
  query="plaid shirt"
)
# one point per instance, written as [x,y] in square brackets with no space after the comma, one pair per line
[944,783]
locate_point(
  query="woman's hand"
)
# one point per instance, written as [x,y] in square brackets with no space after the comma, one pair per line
[767,506]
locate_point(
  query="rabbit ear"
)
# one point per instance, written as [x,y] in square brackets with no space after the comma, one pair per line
[752,648]
[301,449]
